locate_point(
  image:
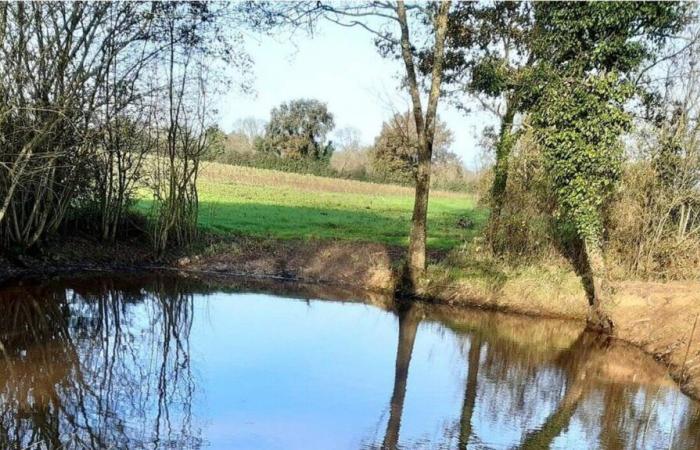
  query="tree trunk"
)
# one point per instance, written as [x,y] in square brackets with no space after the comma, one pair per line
[425,128]
[417,247]
[500,172]
[408,325]
[598,318]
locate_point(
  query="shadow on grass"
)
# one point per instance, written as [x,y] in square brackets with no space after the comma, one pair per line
[388,226]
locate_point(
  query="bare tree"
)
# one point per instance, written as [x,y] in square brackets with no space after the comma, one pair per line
[77,109]
[53,61]
[656,226]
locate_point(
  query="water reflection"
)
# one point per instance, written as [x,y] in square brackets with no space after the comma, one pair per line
[465,420]
[164,362]
[96,366]
[408,326]
[559,387]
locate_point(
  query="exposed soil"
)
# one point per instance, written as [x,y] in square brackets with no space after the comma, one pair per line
[370,266]
[656,317]
[659,318]
[83,254]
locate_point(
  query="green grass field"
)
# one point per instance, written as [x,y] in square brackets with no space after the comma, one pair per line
[266,203]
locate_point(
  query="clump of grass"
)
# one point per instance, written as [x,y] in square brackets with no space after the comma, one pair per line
[472,271]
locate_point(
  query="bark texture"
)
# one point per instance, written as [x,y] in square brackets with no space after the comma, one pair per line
[601,293]
[425,127]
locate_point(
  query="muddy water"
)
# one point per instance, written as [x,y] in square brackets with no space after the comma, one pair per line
[160,362]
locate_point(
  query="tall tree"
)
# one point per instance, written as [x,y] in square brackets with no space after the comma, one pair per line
[425,127]
[487,56]
[504,34]
[393,24]
[581,84]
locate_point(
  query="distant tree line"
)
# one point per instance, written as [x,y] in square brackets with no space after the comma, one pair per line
[297,138]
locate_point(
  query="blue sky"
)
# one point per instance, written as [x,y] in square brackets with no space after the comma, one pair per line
[339,66]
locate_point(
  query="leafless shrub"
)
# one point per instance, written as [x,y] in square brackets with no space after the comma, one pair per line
[80,106]
[655,222]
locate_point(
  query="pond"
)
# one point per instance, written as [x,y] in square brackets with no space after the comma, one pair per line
[166,362]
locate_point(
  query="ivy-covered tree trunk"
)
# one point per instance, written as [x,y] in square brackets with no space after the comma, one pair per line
[579,124]
[586,53]
[598,318]
[500,171]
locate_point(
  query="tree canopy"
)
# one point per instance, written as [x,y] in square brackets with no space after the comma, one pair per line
[395,151]
[298,129]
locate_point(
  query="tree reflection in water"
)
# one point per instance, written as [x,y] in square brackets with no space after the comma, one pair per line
[408,325]
[96,367]
[106,364]
[529,366]
[465,420]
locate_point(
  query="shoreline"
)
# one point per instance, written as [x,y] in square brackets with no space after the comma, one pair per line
[655,317]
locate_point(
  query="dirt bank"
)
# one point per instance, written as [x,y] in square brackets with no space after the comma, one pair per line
[656,317]
[85,254]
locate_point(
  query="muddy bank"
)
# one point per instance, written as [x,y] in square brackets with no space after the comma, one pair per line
[364,265]
[656,317]
[81,255]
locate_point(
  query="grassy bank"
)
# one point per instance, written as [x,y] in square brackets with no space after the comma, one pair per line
[265,203]
[263,222]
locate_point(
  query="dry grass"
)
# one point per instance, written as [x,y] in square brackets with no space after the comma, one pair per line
[248,176]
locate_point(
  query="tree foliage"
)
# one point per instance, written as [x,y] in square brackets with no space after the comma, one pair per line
[579,129]
[488,55]
[395,152]
[586,53]
[298,130]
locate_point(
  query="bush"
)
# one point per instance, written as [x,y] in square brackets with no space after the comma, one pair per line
[654,232]
[652,225]
[528,230]
[320,167]
[354,164]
